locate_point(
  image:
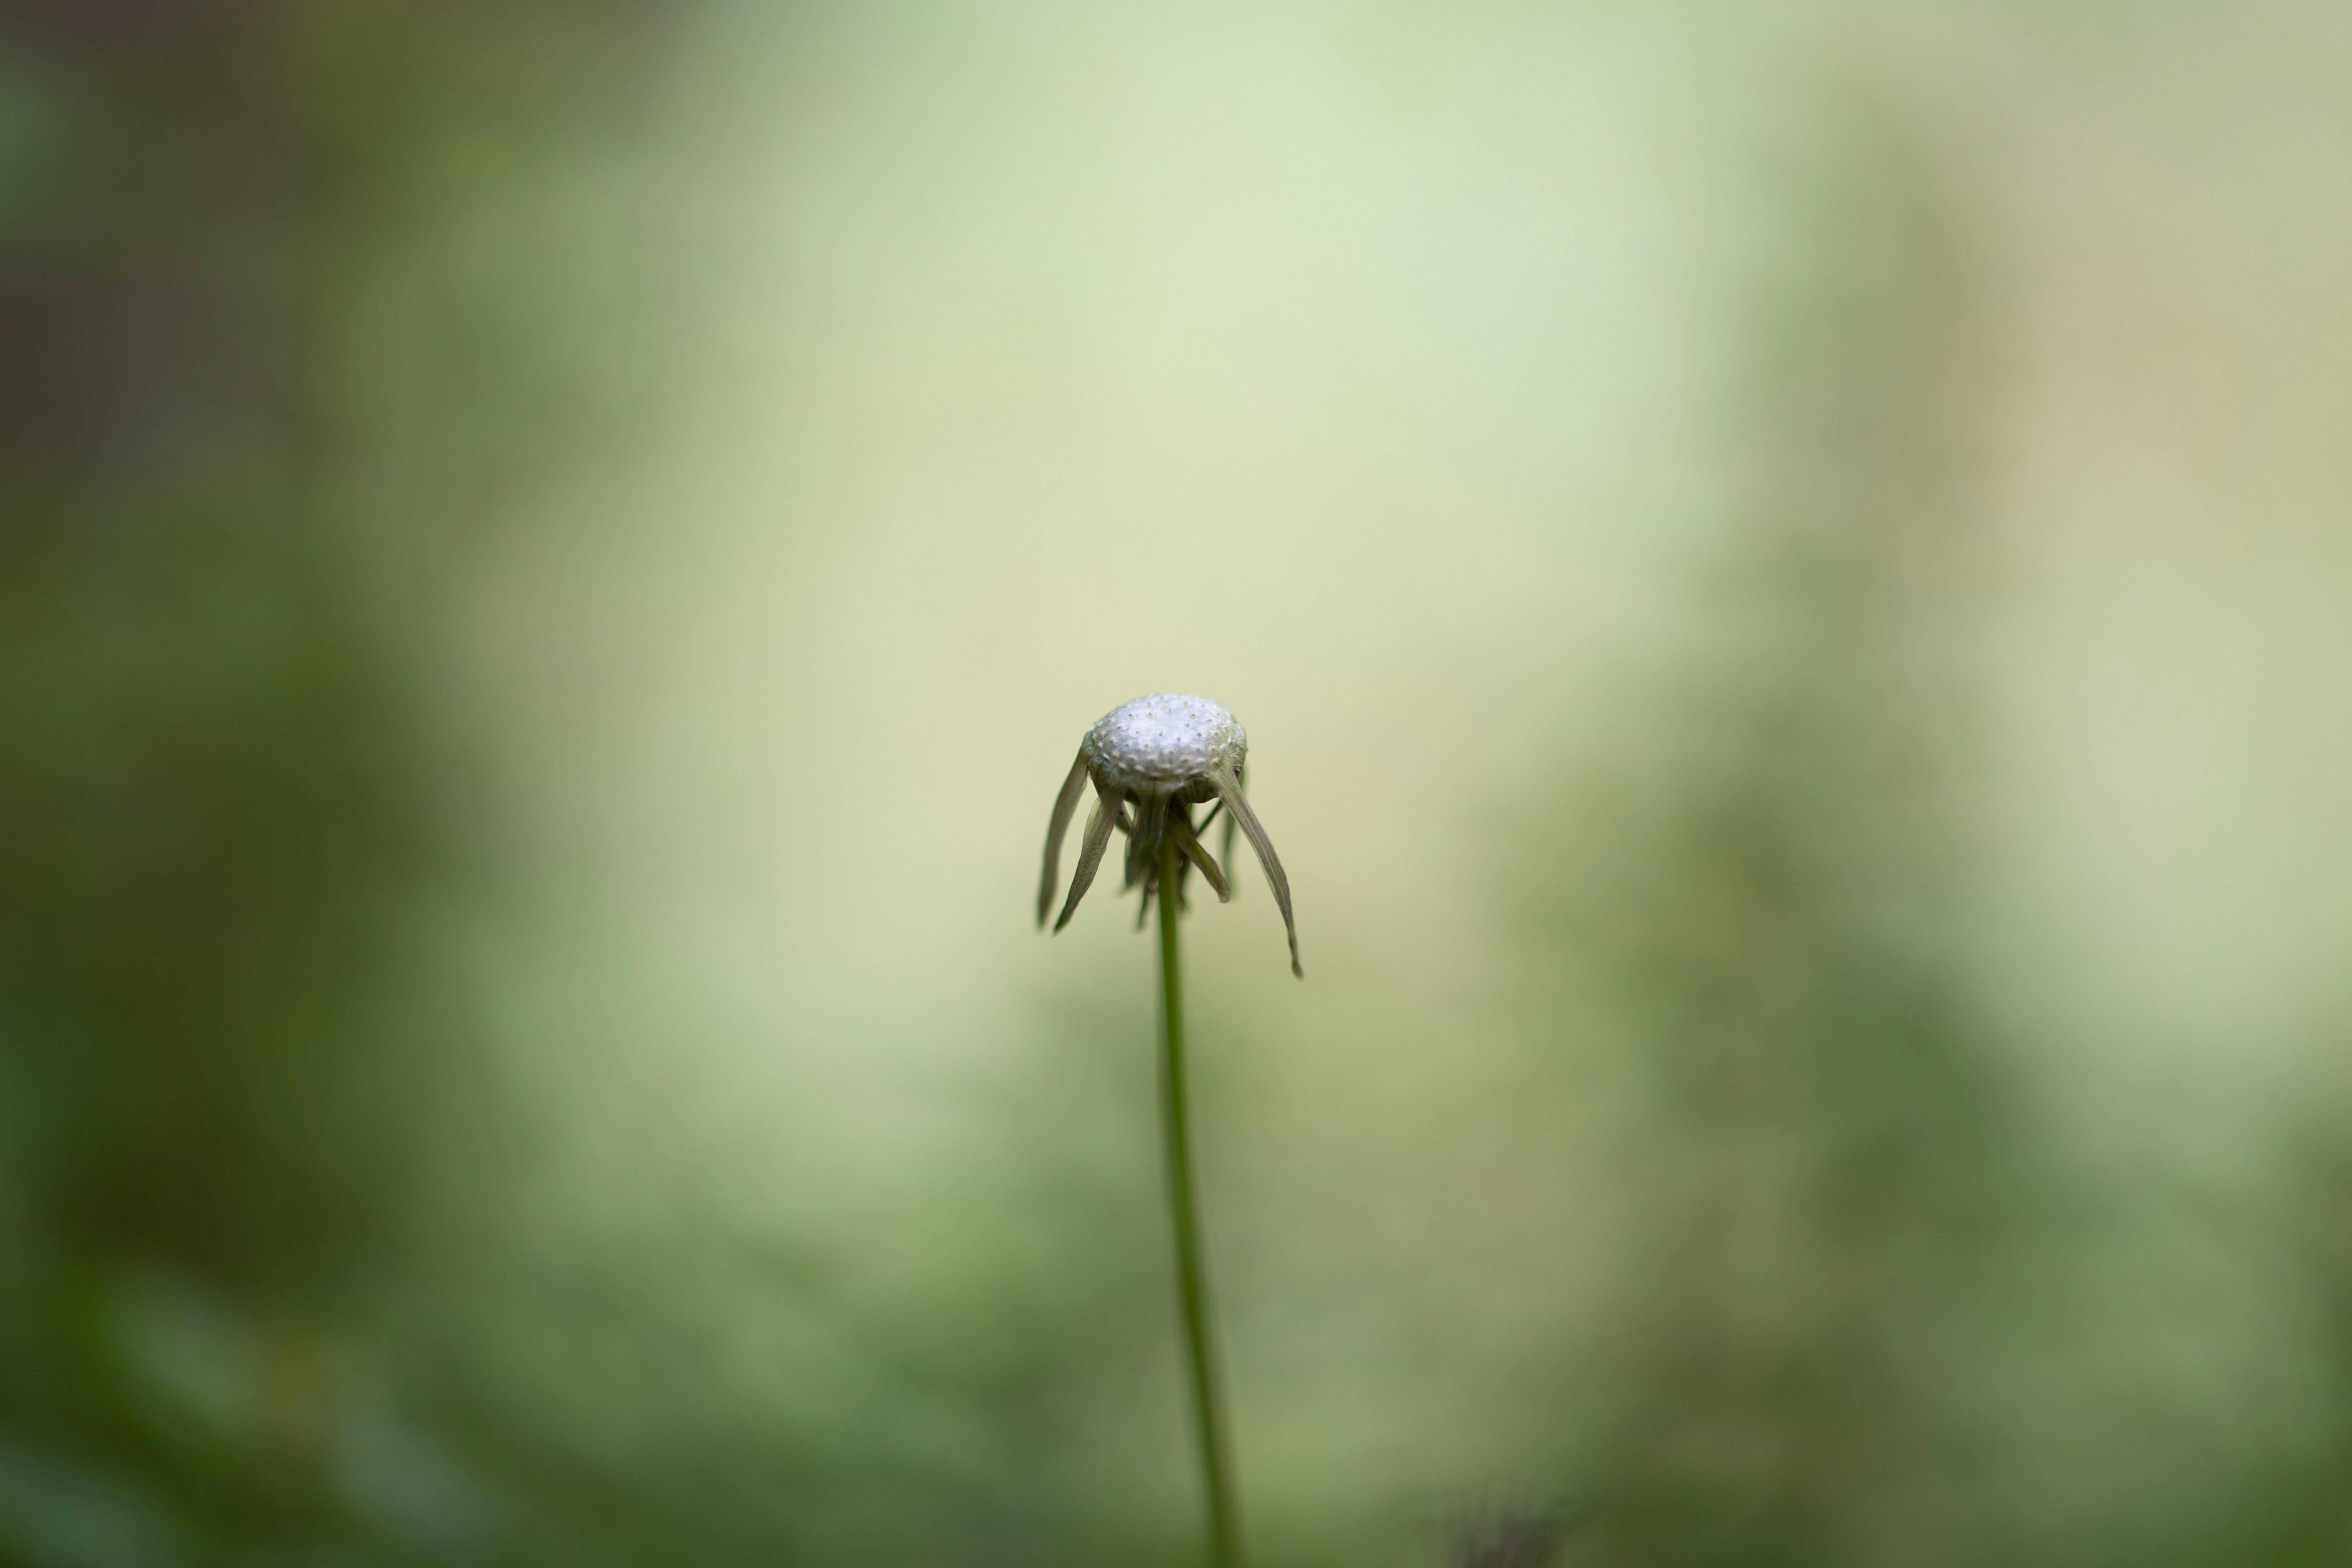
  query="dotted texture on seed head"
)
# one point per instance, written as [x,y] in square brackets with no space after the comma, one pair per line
[1165,738]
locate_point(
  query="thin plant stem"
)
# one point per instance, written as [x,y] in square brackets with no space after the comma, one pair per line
[1184,1214]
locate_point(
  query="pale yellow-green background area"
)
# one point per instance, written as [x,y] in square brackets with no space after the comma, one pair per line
[1785,568]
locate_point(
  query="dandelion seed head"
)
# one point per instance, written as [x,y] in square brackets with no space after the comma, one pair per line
[1158,742]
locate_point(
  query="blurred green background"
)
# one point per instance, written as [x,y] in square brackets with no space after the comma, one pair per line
[1786,567]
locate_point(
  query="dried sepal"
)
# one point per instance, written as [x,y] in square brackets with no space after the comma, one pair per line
[1065,805]
[1189,843]
[1238,806]
[1090,853]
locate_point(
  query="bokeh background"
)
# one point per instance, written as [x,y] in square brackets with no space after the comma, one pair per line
[1786,569]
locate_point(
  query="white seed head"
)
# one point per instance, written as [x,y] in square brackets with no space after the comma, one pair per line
[1159,743]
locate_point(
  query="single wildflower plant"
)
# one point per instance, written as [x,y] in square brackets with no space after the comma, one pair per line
[1160,756]
[1151,762]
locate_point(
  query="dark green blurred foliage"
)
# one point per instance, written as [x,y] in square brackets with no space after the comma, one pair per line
[2302,1511]
[237,1096]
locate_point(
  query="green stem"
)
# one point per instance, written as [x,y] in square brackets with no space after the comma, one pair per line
[1183,1207]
